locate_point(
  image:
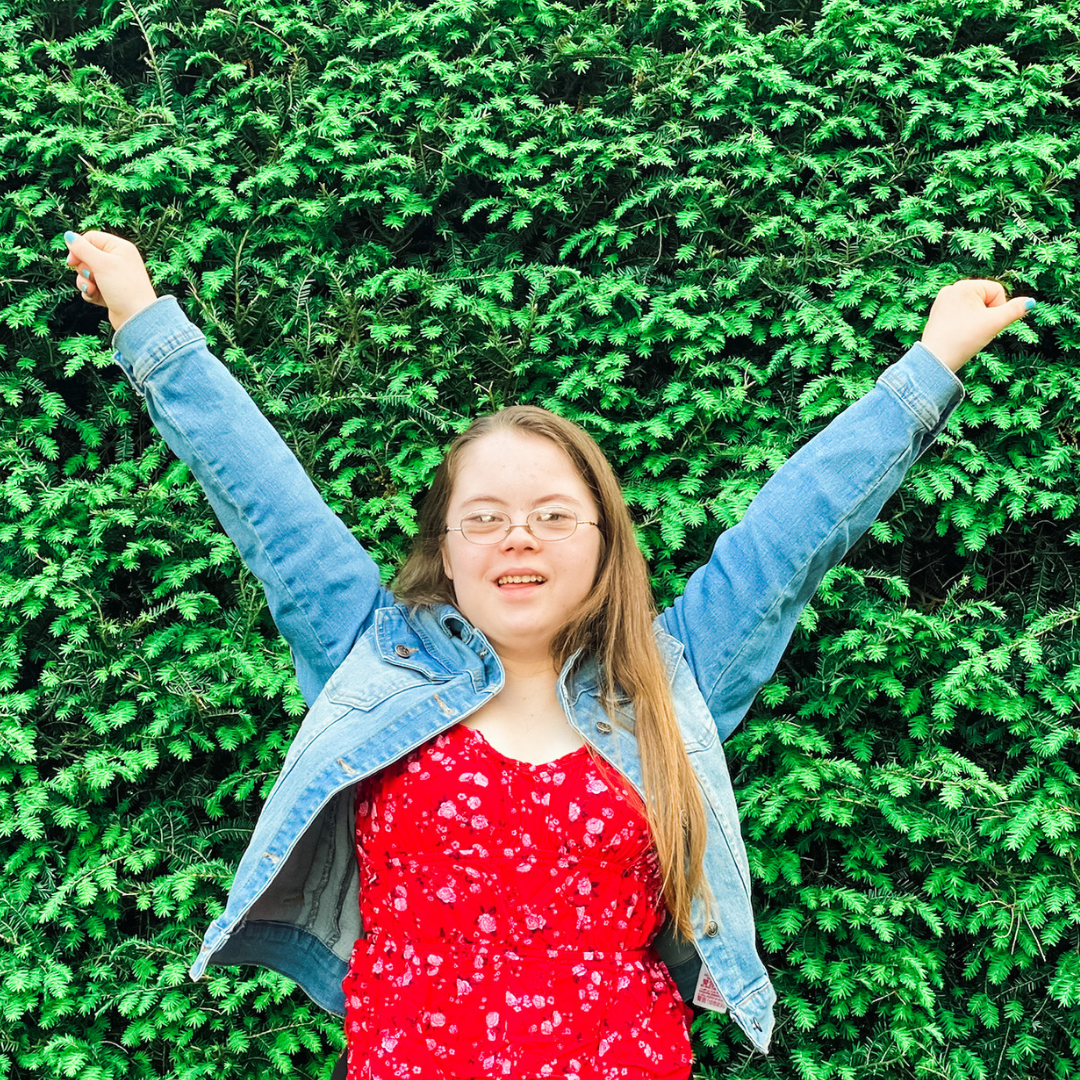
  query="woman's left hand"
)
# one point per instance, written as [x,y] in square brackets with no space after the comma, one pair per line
[967,316]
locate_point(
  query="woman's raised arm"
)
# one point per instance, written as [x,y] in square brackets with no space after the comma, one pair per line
[321,585]
[739,610]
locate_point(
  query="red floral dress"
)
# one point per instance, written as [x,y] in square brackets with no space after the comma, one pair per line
[482,881]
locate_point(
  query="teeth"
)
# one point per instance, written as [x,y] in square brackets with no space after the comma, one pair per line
[518,579]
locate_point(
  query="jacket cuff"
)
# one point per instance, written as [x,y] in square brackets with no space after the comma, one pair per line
[151,337]
[924,386]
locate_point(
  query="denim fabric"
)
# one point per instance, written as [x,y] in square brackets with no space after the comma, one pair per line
[381,679]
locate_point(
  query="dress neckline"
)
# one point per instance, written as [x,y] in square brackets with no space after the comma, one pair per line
[481,740]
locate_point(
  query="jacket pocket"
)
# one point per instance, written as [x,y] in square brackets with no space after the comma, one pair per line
[365,679]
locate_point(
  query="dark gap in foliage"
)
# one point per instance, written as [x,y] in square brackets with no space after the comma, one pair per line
[77,316]
[33,664]
[127,596]
[56,22]
[184,80]
[986,31]
[649,374]
[1031,566]
[931,569]
[78,393]
[797,16]
[418,239]
[819,857]
[123,55]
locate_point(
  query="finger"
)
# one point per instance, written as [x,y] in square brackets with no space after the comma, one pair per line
[104,241]
[92,245]
[82,250]
[991,293]
[85,282]
[92,295]
[1020,306]
[1008,313]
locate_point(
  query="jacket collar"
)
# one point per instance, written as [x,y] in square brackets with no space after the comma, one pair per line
[440,641]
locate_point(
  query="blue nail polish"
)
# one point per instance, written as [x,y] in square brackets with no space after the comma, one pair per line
[82,287]
[70,237]
[1029,304]
[85,273]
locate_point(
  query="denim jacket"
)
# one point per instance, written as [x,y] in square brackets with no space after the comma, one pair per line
[381,679]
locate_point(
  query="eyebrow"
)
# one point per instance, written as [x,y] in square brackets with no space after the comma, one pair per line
[547,500]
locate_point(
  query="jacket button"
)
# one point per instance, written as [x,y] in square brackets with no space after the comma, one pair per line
[603,727]
[711,929]
[403,651]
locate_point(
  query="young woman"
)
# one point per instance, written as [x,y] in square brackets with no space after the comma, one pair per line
[504,841]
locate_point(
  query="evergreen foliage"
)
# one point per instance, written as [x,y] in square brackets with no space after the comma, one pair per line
[697,227]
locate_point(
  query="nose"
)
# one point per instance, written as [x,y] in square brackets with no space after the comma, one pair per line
[519,534]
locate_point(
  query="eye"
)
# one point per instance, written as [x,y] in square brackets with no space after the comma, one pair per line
[483,519]
[553,515]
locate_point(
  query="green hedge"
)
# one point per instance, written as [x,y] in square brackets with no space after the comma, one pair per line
[698,227]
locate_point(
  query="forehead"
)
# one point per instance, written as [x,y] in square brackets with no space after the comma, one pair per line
[516,466]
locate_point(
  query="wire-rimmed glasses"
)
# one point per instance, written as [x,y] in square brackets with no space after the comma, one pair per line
[546,523]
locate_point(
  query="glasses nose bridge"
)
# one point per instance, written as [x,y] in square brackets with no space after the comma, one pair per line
[511,526]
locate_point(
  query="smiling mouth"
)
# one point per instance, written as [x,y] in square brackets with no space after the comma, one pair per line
[520,579]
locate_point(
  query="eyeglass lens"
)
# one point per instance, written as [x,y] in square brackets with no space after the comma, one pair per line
[546,523]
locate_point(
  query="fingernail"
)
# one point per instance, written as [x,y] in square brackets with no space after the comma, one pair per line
[70,237]
[1029,304]
[82,287]
[85,272]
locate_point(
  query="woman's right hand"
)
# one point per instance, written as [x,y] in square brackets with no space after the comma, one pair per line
[967,316]
[111,274]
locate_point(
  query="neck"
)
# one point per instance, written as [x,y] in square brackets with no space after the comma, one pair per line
[525,720]
[531,678]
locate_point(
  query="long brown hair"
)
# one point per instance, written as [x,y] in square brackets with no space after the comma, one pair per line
[613,624]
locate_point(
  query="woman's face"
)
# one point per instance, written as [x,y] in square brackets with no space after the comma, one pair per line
[515,472]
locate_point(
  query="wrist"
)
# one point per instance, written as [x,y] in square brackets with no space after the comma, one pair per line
[119,316]
[941,352]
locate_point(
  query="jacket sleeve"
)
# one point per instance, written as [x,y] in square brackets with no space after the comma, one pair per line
[322,587]
[738,611]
